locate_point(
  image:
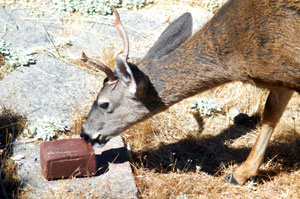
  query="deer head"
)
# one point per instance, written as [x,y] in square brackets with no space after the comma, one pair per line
[127,95]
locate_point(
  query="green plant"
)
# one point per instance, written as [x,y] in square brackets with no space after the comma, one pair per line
[89,7]
[10,59]
[212,5]
[129,4]
[45,128]
[207,106]
[92,7]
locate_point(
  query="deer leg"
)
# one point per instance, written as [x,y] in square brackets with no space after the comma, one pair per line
[274,107]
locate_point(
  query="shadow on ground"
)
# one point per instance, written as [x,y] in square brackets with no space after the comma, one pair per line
[114,156]
[11,125]
[211,154]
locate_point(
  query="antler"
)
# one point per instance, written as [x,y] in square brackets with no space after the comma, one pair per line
[117,23]
[111,76]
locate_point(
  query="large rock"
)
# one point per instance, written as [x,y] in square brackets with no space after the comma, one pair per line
[49,88]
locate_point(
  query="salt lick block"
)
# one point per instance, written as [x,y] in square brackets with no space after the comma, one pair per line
[67,158]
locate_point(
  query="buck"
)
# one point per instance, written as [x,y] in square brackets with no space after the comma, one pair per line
[254,41]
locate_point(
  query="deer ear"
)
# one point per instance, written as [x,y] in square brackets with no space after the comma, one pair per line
[124,73]
[174,35]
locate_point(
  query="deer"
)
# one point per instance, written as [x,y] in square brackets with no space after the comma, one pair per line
[251,41]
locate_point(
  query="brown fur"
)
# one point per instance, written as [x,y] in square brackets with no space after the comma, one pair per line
[251,41]
[254,41]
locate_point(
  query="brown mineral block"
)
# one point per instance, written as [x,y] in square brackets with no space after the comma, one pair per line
[66,158]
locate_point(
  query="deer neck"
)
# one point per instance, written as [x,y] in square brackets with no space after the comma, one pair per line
[191,68]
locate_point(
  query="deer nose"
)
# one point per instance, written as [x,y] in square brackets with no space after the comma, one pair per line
[85,136]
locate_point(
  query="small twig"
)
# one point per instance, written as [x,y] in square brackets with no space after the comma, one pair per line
[1,82]
[42,71]
[12,124]
[5,30]
[110,24]
[52,43]
[187,165]
[6,23]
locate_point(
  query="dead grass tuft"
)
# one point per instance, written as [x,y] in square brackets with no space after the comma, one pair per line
[10,179]
[76,126]
[2,62]
[108,56]
[11,124]
[2,59]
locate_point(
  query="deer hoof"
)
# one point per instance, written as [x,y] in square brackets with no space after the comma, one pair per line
[231,179]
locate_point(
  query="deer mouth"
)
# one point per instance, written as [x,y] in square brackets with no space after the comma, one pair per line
[99,141]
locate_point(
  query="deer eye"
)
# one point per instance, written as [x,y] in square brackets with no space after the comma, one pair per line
[105,80]
[104,105]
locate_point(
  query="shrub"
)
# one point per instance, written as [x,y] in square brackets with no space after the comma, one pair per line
[91,7]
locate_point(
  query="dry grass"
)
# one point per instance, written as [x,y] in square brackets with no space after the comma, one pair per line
[175,154]
[2,62]
[10,126]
